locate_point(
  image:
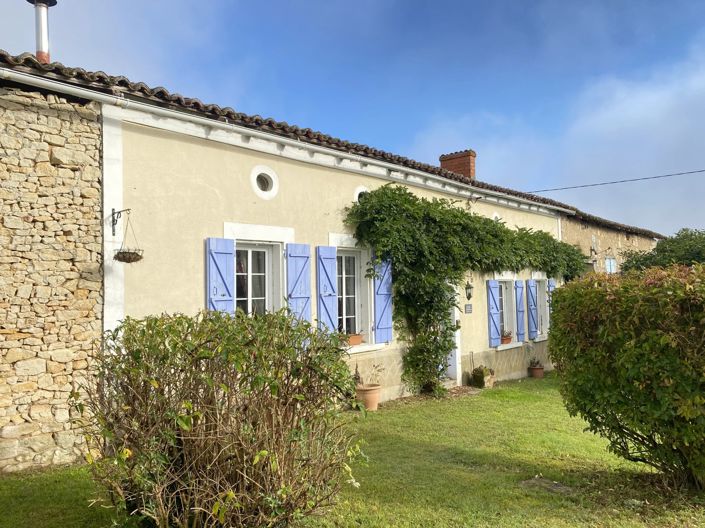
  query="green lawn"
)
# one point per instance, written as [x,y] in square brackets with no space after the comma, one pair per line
[443,463]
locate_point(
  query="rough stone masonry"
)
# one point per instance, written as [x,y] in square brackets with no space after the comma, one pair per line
[50,271]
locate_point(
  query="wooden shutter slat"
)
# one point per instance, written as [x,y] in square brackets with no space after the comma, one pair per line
[493,313]
[327,287]
[383,303]
[298,278]
[519,296]
[220,274]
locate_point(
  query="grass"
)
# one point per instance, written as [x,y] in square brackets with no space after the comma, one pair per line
[444,463]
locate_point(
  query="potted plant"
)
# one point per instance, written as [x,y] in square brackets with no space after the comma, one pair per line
[354,339]
[535,368]
[368,393]
[506,337]
[482,377]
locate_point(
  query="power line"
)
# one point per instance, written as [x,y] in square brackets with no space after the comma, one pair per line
[618,181]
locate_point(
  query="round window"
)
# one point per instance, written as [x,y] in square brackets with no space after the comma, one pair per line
[265,182]
[360,193]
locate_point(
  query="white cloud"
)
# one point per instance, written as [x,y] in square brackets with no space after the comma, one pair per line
[618,128]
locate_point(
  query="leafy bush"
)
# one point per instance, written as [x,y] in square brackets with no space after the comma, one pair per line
[685,247]
[480,374]
[431,245]
[219,420]
[631,355]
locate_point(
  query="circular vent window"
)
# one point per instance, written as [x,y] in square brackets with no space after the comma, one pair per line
[265,182]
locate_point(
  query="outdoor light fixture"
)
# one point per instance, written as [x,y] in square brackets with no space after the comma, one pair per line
[468,290]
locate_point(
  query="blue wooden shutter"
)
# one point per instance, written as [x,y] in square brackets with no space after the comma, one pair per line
[551,287]
[327,286]
[220,274]
[521,327]
[493,312]
[383,302]
[532,300]
[298,279]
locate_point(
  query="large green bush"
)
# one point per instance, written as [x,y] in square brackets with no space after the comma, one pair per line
[631,355]
[685,247]
[219,420]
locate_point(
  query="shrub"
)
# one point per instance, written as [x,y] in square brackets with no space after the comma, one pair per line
[219,420]
[685,247]
[480,374]
[631,355]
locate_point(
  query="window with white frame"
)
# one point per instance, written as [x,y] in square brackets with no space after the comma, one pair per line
[257,272]
[354,291]
[611,265]
[507,310]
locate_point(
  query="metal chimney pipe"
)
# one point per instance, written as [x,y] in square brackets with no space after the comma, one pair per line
[41,24]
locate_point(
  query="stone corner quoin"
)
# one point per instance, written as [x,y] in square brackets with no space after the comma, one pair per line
[50,271]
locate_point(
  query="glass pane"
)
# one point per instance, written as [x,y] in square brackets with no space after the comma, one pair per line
[350,285]
[258,306]
[341,326]
[339,260]
[340,285]
[350,306]
[340,306]
[258,286]
[241,286]
[350,266]
[241,261]
[242,305]
[258,261]
[350,325]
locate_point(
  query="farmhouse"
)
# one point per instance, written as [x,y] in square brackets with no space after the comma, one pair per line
[230,211]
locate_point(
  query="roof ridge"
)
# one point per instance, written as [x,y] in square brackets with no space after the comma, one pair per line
[100,80]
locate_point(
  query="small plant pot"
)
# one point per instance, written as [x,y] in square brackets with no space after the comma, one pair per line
[354,339]
[368,395]
[506,340]
[489,381]
[536,372]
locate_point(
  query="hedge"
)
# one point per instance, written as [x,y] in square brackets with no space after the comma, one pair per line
[631,354]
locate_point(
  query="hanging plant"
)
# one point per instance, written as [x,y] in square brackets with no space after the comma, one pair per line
[432,244]
[128,254]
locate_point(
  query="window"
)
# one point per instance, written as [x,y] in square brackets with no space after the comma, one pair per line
[507,313]
[264,181]
[354,293]
[347,294]
[611,265]
[253,278]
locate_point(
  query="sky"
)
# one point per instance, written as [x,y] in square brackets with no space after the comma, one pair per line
[549,93]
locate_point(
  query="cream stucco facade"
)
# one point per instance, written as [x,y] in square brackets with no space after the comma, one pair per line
[182,189]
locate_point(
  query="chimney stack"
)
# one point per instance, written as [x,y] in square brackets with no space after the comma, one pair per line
[41,23]
[462,162]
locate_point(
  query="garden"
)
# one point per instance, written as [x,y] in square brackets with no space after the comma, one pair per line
[508,456]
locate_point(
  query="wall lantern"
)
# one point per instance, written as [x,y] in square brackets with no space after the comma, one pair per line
[468,290]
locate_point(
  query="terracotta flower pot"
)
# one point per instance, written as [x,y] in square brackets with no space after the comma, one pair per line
[536,372]
[506,340]
[368,395]
[355,339]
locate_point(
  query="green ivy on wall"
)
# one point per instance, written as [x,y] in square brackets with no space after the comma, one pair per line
[431,245]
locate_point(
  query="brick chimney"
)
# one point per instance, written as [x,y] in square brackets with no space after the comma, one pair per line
[41,24]
[462,162]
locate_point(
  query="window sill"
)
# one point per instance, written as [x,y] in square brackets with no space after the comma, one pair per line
[509,346]
[366,347]
[540,338]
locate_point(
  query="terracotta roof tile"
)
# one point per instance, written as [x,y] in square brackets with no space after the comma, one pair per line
[102,82]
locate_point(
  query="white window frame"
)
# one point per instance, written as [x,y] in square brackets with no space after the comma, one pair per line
[273,272]
[364,286]
[508,310]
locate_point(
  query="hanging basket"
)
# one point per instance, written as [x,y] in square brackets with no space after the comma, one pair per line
[128,255]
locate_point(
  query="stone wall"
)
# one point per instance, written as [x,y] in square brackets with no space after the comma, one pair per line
[602,242]
[50,270]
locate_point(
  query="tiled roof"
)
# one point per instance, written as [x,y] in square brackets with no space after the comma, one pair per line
[119,85]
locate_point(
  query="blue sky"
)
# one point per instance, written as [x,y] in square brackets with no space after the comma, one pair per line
[549,93]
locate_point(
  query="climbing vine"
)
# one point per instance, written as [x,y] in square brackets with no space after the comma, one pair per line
[431,245]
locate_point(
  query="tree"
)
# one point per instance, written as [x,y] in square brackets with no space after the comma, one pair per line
[685,247]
